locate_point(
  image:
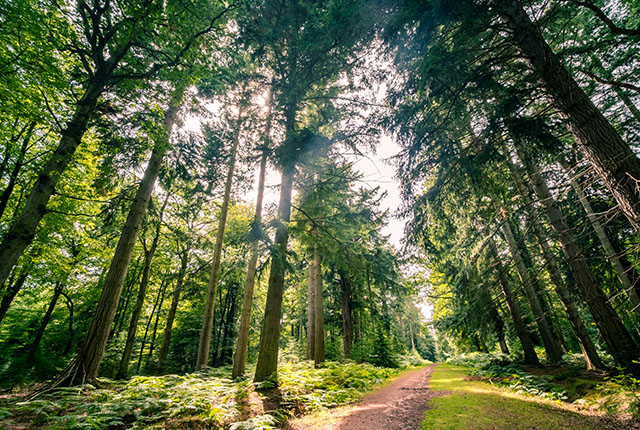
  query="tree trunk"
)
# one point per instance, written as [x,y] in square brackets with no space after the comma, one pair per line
[318,314]
[586,344]
[24,225]
[10,293]
[86,364]
[413,342]
[155,324]
[226,349]
[242,345]
[499,326]
[43,324]
[612,256]
[551,346]
[530,356]
[17,166]
[267,365]
[311,309]
[175,300]
[212,290]
[611,157]
[621,345]
[347,319]
[69,344]
[133,277]
[142,293]
[157,305]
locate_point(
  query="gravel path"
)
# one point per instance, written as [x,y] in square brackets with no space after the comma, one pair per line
[398,406]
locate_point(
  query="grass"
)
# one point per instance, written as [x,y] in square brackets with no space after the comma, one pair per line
[466,403]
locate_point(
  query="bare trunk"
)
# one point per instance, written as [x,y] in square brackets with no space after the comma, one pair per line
[612,256]
[311,309]
[318,314]
[551,346]
[621,345]
[157,305]
[86,364]
[347,319]
[267,365]
[142,293]
[69,344]
[43,324]
[530,356]
[610,156]
[175,300]
[132,278]
[242,345]
[212,290]
[586,344]
[155,324]
[413,343]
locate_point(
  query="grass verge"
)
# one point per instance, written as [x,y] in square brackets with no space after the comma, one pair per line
[467,403]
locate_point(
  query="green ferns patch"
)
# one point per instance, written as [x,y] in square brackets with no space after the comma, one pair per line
[207,397]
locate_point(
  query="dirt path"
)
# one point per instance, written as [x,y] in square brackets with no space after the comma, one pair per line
[397,406]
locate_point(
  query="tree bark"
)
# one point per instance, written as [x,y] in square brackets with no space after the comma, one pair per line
[142,293]
[612,256]
[212,290]
[551,346]
[85,366]
[318,314]
[311,309]
[347,319]
[267,365]
[157,305]
[530,356]
[155,325]
[610,156]
[133,277]
[586,344]
[69,344]
[621,345]
[175,301]
[242,345]
[43,324]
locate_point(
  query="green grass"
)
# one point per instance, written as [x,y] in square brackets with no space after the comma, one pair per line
[471,404]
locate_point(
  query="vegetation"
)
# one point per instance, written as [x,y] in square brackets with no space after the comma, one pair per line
[208,398]
[135,244]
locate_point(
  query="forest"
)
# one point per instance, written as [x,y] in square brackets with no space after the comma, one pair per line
[182,203]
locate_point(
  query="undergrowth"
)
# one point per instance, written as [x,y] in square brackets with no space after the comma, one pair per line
[208,397]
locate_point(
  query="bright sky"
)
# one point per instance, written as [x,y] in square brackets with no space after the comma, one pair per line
[375,172]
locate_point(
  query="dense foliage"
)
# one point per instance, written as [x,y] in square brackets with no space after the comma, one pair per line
[134,242]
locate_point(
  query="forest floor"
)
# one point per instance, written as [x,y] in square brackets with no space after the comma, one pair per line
[334,397]
[444,397]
